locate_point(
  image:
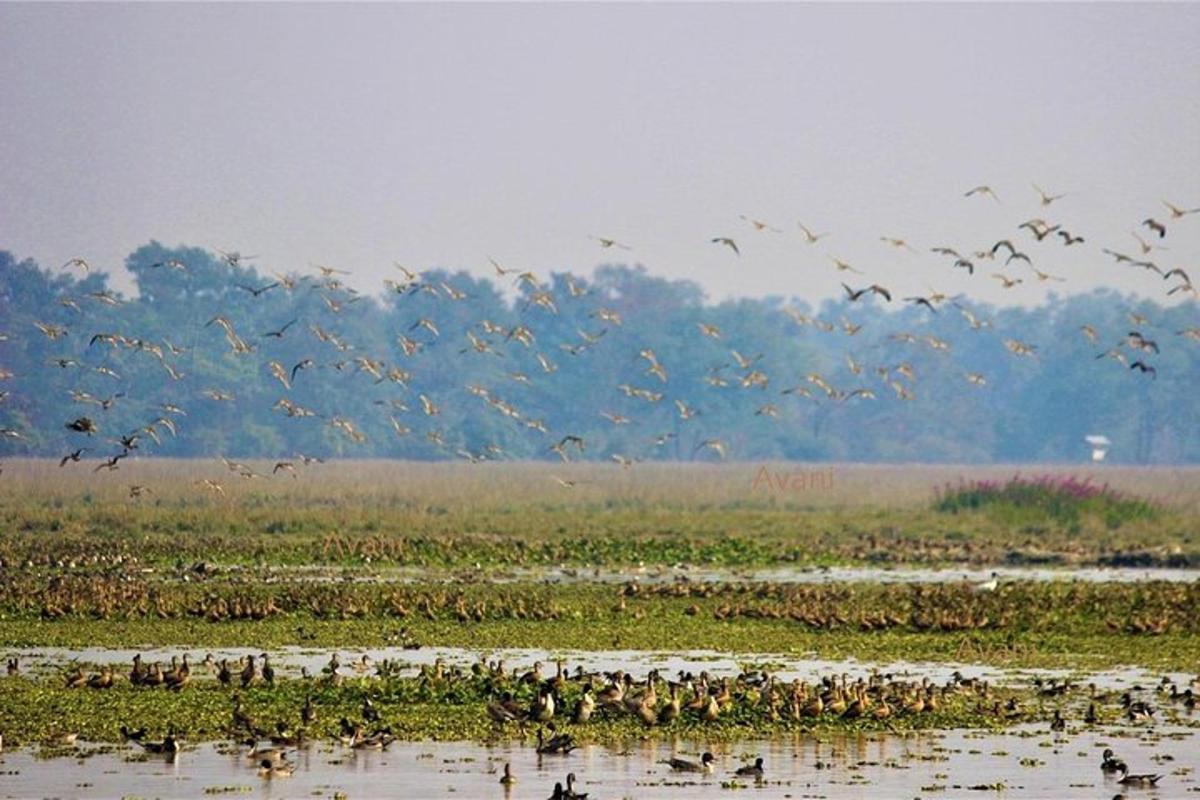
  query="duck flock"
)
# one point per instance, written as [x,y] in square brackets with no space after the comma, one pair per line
[552,705]
[525,355]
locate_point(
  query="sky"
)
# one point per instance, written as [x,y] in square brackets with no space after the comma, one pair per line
[442,135]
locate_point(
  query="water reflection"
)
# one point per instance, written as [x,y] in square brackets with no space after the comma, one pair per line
[1029,762]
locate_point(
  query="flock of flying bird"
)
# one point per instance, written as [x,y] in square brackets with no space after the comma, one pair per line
[1012,261]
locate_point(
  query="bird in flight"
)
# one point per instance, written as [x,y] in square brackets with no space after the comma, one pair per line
[259,291]
[1007,281]
[1156,226]
[78,262]
[844,266]
[279,333]
[983,190]
[758,224]
[1047,199]
[730,243]
[1179,213]
[899,244]
[809,236]
[607,243]
[853,295]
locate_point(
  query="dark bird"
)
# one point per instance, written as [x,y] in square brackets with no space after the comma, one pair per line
[279,333]
[259,291]
[730,243]
[1143,367]
[965,264]
[305,364]
[111,463]
[1155,226]
[853,295]
[921,301]
[754,770]
[1004,243]
[82,425]
[72,457]
[1068,239]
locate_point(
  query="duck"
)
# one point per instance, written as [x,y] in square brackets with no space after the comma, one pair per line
[224,673]
[75,679]
[128,735]
[507,779]
[249,673]
[102,679]
[275,769]
[13,667]
[137,672]
[308,712]
[754,770]
[669,712]
[584,707]
[558,793]
[684,765]
[268,672]
[560,743]
[168,746]
[1111,763]
[1058,724]
[260,753]
[1144,780]
[569,792]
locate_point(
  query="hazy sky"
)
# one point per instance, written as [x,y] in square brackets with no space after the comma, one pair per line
[437,135]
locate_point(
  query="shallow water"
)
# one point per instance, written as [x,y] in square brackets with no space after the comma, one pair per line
[290,661]
[1030,762]
[668,574]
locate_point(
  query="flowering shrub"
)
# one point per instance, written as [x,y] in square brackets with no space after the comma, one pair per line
[1063,498]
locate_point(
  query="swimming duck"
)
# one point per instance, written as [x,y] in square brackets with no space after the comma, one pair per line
[1145,780]
[168,746]
[569,792]
[560,743]
[508,779]
[754,770]
[558,794]
[1111,763]
[684,765]
[275,769]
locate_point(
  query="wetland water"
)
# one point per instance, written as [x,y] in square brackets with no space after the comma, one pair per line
[662,574]
[289,661]
[1029,762]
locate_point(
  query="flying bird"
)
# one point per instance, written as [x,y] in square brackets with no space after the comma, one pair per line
[1155,226]
[730,243]
[809,236]
[983,190]
[1047,199]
